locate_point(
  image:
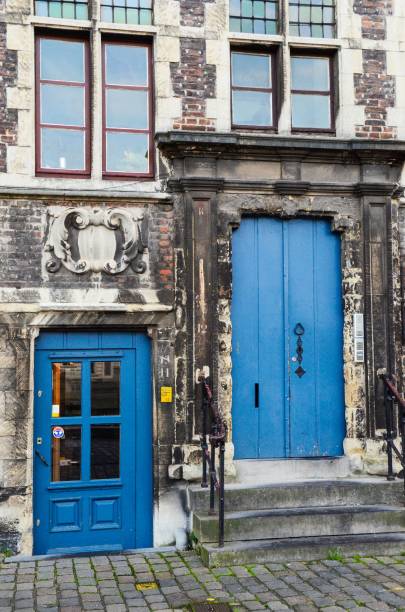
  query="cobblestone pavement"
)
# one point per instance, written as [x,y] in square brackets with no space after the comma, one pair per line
[111,583]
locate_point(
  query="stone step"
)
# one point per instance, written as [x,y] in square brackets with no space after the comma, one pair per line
[254,471]
[317,493]
[300,522]
[302,549]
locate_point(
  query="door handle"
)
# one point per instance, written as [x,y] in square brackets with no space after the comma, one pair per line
[41,457]
[257,398]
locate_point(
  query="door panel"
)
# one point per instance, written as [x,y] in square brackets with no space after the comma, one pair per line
[92,431]
[287,273]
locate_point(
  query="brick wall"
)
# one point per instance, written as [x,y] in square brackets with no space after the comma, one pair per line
[192,12]
[375,90]
[23,237]
[8,117]
[373,17]
[193,81]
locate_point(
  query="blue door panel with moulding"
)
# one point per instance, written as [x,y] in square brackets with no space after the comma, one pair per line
[92,442]
[287,345]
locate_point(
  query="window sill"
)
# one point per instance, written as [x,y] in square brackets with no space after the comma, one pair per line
[249,37]
[135,178]
[324,43]
[65,175]
[107,26]
[61,23]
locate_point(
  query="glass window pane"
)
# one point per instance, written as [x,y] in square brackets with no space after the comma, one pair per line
[251,108]
[145,17]
[146,4]
[310,111]
[247,8]
[127,153]
[62,60]
[66,452]
[271,10]
[250,70]
[247,25]
[82,11]
[258,9]
[119,15]
[62,105]
[259,26]
[41,8]
[132,15]
[105,452]
[234,25]
[127,109]
[271,27]
[62,149]
[328,31]
[126,65]
[68,10]
[66,389]
[106,13]
[55,9]
[234,8]
[310,73]
[105,388]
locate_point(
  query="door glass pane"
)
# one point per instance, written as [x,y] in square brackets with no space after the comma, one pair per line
[62,60]
[66,452]
[105,388]
[66,389]
[62,105]
[105,451]
[62,149]
[251,108]
[126,65]
[127,152]
[127,108]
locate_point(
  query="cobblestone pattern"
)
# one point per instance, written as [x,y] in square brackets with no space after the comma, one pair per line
[373,20]
[193,81]
[109,583]
[376,91]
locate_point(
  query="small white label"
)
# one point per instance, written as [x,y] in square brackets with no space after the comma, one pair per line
[358,333]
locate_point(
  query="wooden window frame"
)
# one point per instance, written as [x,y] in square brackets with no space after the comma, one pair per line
[58,172]
[116,40]
[332,93]
[271,52]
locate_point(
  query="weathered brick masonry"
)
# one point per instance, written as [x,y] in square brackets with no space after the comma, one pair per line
[8,117]
[193,81]
[375,90]
[373,20]
[192,12]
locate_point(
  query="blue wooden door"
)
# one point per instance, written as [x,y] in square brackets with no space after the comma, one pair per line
[92,442]
[287,373]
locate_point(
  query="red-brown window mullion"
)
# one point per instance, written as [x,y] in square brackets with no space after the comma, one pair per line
[39,125]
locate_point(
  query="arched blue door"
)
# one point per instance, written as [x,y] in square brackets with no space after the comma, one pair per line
[92,442]
[287,355]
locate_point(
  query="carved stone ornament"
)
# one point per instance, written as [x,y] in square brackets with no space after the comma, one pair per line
[95,240]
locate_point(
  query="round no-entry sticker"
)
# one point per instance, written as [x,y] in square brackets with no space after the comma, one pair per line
[58,432]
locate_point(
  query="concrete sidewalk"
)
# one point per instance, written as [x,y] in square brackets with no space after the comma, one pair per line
[170,580]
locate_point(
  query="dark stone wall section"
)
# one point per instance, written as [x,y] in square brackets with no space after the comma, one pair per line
[8,78]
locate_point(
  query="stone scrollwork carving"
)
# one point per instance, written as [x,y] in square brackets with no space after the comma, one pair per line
[95,240]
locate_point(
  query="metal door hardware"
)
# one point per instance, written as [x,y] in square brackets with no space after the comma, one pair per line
[41,457]
[299,331]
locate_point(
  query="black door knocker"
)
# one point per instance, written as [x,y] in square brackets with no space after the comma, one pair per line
[299,331]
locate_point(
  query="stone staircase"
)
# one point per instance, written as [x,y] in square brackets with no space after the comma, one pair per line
[301,520]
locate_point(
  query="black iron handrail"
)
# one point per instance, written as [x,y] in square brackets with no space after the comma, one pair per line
[392,397]
[215,439]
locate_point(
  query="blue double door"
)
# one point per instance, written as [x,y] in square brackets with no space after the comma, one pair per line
[287,398]
[92,442]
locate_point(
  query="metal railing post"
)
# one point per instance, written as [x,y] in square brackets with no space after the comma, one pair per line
[221,515]
[212,479]
[389,434]
[204,436]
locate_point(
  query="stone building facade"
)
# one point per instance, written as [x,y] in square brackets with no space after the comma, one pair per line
[169,273]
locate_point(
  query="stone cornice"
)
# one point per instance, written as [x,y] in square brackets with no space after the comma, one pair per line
[232,145]
[89,195]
